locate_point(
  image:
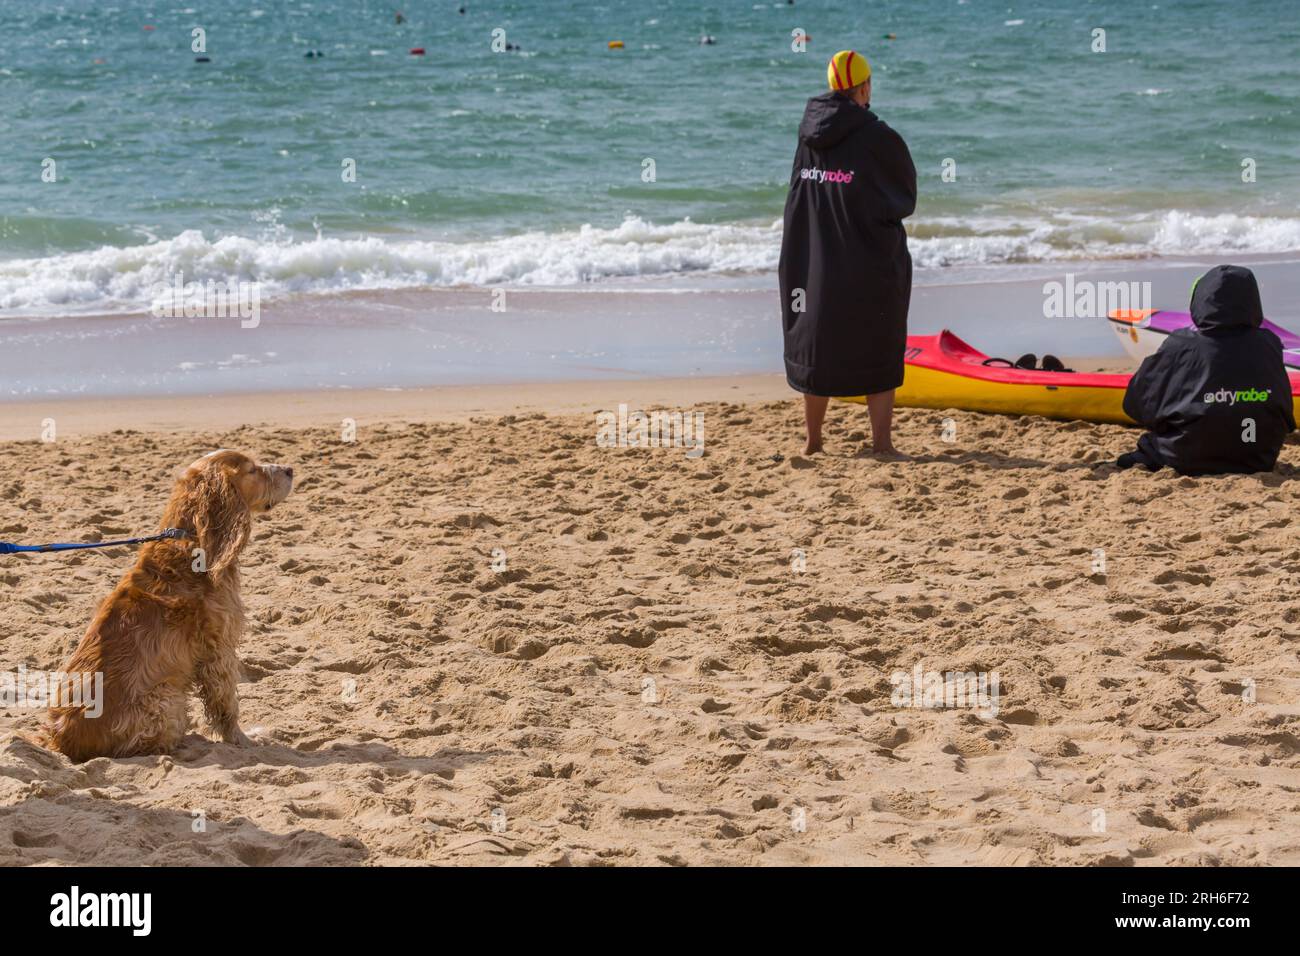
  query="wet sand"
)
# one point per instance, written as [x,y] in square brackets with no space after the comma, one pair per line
[604,332]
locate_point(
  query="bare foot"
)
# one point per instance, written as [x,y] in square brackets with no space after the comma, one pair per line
[812,448]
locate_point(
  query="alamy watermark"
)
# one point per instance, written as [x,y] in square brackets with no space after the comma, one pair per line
[207,300]
[1085,299]
[75,908]
[660,429]
[40,689]
[936,690]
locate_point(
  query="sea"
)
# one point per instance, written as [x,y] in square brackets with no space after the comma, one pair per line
[305,147]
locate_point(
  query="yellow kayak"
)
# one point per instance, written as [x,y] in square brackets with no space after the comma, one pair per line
[942,371]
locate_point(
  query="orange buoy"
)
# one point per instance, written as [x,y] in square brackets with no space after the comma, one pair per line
[616,44]
[417,51]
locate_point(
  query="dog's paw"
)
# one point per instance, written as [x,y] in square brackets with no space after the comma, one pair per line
[238,738]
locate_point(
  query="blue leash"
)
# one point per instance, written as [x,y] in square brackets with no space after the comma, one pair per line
[7,548]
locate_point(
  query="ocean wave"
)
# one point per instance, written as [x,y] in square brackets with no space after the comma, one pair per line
[960,242]
[129,278]
[113,278]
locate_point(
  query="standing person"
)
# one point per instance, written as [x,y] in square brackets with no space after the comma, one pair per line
[846,275]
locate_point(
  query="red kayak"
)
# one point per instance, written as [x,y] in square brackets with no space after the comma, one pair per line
[945,372]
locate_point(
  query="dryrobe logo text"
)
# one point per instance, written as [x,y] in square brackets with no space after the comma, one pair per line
[1226,396]
[827,175]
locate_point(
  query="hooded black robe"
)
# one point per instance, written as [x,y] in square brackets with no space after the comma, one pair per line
[1197,393]
[844,252]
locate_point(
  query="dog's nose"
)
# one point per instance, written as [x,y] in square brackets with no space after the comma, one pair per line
[289,472]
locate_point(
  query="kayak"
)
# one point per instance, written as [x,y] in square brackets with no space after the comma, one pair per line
[942,371]
[1141,331]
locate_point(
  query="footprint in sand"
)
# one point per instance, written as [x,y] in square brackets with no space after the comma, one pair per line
[1195,651]
[633,637]
[1183,577]
[1128,615]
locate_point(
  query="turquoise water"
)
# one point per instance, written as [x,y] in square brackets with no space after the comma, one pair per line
[479,167]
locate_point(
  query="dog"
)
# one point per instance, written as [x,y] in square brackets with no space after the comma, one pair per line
[174,620]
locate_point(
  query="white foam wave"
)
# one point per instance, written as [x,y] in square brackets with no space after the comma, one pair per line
[127,279]
[116,278]
[992,241]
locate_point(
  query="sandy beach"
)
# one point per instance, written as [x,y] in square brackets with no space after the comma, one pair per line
[412,459]
[478,637]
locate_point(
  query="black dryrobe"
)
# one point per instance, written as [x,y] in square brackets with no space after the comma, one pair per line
[846,275]
[1215,399]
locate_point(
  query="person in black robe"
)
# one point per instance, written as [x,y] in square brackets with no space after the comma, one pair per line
[845,272]
[1215,399]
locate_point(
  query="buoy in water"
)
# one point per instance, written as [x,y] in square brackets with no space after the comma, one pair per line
[417,51]
[616,44]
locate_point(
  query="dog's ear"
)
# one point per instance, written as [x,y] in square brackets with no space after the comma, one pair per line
[180,471]
[221,519]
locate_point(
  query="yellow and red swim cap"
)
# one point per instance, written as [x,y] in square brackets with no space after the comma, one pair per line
[847,69]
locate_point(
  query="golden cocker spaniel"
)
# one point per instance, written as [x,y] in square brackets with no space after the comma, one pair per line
[174,620]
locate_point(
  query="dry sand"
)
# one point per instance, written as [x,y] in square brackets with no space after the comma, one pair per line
[417,705]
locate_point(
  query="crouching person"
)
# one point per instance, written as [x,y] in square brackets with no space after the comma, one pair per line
[1215,399]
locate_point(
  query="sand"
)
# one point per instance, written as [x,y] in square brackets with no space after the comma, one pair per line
[489,641]
[299,408]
